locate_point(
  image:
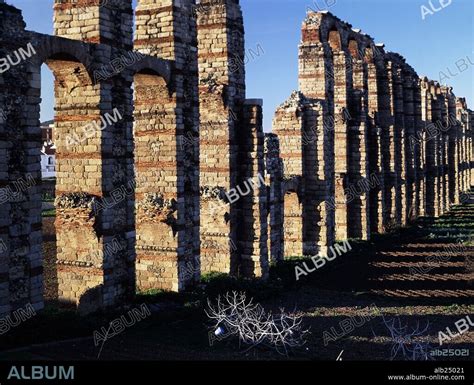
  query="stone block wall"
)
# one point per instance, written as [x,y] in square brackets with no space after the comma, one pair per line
[95,171]
[233,201]
[398,146]
[93,21]
[274,181]
[167,148]
[307,209]
[21,273]
[164,172]
[253,204]
[221,98]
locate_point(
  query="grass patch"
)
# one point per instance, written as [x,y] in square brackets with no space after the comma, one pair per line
[48,213]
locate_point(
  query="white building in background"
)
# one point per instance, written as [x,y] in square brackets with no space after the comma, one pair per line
[48,152]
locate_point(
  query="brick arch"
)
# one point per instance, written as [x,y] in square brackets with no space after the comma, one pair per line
[153,66]
[333,33]
[83,122]
[49,48]
[334,39]
[353,47]
[369,57]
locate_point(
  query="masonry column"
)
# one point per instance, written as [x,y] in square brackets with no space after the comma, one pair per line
[221,56]
[274,177]
[453,195]
[167,147]
[383,134]
[90,21]
[316,82]
[471,148]
[392,146]
[436,137]
[417,145]
[94,220]
[467,128]
[341,93]
[410,211]
[253,232]
[461,139]
[444,127]
[399,153]
[359,161]
[21,259]
[429,150]
[375,132]
[288,125]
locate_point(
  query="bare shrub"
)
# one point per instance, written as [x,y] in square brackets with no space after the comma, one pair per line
[235,316]
[404,343]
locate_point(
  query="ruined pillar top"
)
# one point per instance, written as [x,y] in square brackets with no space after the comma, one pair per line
[93,22]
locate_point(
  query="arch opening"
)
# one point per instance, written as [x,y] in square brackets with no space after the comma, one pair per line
[334,40]
[353,47]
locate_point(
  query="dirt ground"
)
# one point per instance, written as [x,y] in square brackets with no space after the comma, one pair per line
[409,283]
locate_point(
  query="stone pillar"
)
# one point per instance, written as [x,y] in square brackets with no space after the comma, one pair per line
[435,135]
[392,146]
[274,178]
[408,144]
[94,161]
[299,125]
[429,156]
[92,21]
[167,147]
[399,153]
[288,124]
[316,82]
[453,195]
[426,184]
[468,148]
[21,260]
[463,116]
[383,134]
[471,148]
[444,131]
[375,132]
[221,95]
[418,149]
[358,152]
[253,231]
[318,234]
[341,162]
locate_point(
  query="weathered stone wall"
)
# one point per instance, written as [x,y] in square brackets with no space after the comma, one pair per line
[94,220]
[94,139]
[131,179]
[253,204]
[233,203]
[306,184]
[164,171]
[274,181]
[21,279]
[167,148]
[397,146]
[221,98]
[108,22]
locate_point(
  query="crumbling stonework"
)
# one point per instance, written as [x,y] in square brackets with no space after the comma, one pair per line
[233,210]
[163,169]
[397,146]
[166,128]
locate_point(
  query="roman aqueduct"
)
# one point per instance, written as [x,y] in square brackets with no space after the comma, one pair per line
[365,145]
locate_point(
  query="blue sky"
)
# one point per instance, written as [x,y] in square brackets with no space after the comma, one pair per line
[431,46]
